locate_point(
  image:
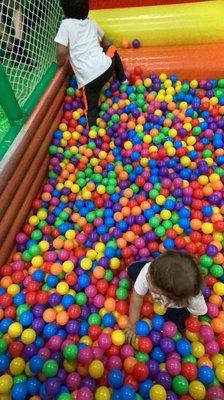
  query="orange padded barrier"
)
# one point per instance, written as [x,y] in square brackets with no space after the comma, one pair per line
[188,62]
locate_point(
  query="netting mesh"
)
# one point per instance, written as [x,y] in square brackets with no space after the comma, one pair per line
[27,30]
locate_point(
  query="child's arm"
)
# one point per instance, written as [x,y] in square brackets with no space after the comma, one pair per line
[136,302]
[61,54]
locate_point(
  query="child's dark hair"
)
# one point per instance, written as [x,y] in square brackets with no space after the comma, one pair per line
[177,275]
[78,9]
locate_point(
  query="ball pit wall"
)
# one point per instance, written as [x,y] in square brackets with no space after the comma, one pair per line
[22,171]
[179,24]
[187,62]
[104,4]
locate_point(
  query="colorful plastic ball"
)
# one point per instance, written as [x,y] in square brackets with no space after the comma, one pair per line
[118,337]
[96,369]
[180,385]
[84,394]
[183,347]
[205,375]
[102,393]
[115,379]
[50,368]
[127,393]
[197,390]
[157,392]
[136,43]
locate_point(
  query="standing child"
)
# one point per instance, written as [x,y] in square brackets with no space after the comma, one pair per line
[174,280]
[81,39]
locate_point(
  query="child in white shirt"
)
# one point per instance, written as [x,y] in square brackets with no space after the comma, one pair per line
[174,280]
[81,38]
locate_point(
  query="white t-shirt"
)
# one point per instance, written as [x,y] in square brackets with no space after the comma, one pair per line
[196,305]
[87,58]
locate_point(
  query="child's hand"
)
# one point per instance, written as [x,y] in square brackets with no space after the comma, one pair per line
[130,335]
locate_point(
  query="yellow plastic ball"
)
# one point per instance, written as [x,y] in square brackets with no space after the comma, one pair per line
[214,178]
[192,336]
[187,126]
[172,133]
[75,188]
[198,349]
[96,369]
[15,330]
[101,132]
[69,366]
[70,234]
[118,337]
[44,246]
[13,289]
[86,195]
[203,180]
[197,390]
[185,161]
[6,383]
[91,254]
[219,371]
[28,336]
[217,359]
[100,247]
[157,392]
[37,261]
[86,263]
[86,340]
[144,162]
[42,214]
[214,100]
[33,220]
[160,199]
[147,139]
[207,227]
[218,288]
[101,189]
[183,105]
[163,77]
[171,151]
[147,82]
[102,393]
[62,288]
[114,263]
[165,214]
[159,309]
[194,84]
[67,266]
[63,127]
[17,366]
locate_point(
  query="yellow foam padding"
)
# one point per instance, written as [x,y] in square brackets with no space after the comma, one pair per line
[190,23]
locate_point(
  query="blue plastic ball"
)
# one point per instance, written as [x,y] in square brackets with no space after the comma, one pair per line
[115,378]
[142,328]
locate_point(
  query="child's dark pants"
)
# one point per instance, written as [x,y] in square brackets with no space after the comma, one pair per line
[176,315]
[92,90]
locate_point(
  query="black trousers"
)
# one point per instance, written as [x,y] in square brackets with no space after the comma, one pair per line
[93,89]
[176,315]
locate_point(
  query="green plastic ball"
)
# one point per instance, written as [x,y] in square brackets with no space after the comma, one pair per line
[70,352]
[81,299]
[180,385]
[50,368]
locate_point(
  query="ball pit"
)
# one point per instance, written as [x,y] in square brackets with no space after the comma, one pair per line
[148,178]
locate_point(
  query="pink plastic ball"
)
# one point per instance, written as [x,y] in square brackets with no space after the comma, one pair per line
[99,301]
[212,310]
[206,333]
[169,329]
[97,353]
[127,351]
[84,394]
[114,362]
[214,393]
[54,343]
[91,291]
[211,347]
[104,341]
[73,381]
[173,366]
[85,355]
